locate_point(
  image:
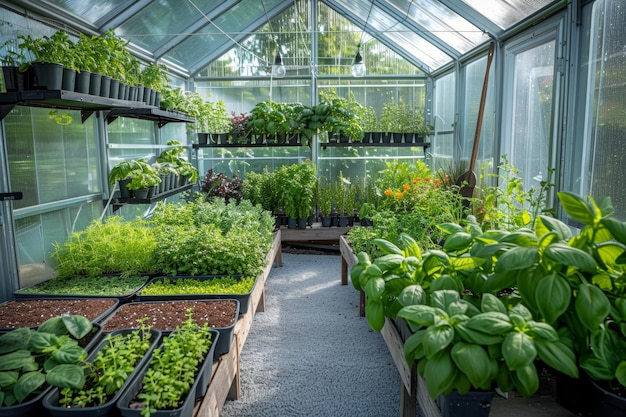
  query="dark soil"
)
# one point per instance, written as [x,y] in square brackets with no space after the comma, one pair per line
[31,313]
[167,315]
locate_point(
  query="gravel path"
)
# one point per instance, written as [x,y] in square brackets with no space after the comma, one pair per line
[310,354]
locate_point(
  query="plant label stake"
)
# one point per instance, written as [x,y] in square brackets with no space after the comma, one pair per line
[467,181]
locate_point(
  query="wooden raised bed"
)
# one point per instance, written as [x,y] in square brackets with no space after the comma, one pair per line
[348,260]
[225,380]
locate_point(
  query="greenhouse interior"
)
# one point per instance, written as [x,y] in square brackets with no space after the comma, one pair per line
[459,158]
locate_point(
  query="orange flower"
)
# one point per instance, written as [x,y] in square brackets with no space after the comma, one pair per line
[437,182]
[427,179]
[417,179]
[406,187]
[399,195]
[388,192]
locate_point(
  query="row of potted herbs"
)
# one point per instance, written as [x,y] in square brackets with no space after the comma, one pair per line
[138,179]
[132,371]
[491,305]
[96,65]
[335,118]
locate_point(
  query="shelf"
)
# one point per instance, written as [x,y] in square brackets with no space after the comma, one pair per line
[247,145]
[424,145]
[118,202]
[151,113]
[87,104]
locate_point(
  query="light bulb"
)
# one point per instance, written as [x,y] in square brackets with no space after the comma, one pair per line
[358,67]
[278,69]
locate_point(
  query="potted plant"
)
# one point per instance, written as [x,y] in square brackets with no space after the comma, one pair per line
[169,383]
[35,360]
[155,80]
[296,184]
[238,129]
[123,172]
[143,182]
[50,56]
[108,370]
[341,119]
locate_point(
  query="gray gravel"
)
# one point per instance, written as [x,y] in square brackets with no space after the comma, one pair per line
[310,354]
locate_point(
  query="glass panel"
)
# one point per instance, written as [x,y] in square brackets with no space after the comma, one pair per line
[442,22]
[474,79]
[186,54]
[444,112]
[531,109]
[52,156]
[155,24]
[606,105]
[91,11]
[362,164]
[506,13]
[36,235]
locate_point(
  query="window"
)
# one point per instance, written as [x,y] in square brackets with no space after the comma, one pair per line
[528,108]
[604,122]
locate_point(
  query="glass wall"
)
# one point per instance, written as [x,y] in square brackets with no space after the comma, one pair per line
[444,121]
[603,168]
[529,102]
[54,161]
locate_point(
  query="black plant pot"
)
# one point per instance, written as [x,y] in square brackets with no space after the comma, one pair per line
[386,137]
[302,223]
[605,403]
[140,92]
[376,137]
[472,404]
[69,79]
[326,221]
[10,78]
[105,86]
[343,221]
[114,88]
[48,76]
[203,138]
[95,84]
[292,223]
[51,400]
[83,81]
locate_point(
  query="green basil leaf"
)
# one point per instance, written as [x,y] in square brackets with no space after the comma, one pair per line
[557,355]
[437,338]
[421,314]
[518,350]
[15,339]
[374,289]
[553,295]
[387,247]
[473,361]
[375,314]
[8,378]
[592,306]
[439,373]
[66,376]
[490,302]
[27,384]
[490,322]
[526,380]
[564,254]
[458,242]
[576,208]
[411,295]
[517,258]
[16,360]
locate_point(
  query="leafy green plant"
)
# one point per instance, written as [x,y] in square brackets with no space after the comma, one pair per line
[259,188]
[507,205]
[574,284]
[56,49]
[202,238]
[111,247]
[88,286]
[174,366]
[109,370]
[155,76]
[145,178]
[31,360]
[459,346]
[124,170]
[217,285]
[296,184]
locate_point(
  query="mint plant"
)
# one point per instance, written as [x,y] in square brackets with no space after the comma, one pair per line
[218,285]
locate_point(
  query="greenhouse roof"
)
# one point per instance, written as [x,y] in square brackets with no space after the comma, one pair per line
[190,34]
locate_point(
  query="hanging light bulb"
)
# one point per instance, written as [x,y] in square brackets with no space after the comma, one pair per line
[358,66]
[278,69]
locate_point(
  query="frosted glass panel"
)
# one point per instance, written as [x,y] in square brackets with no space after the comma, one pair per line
[442,147]
[532,102]
[51,159]
[607,103]
[506,13]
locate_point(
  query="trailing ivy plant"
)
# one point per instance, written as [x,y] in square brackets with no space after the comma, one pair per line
[31,360]
[174,366]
